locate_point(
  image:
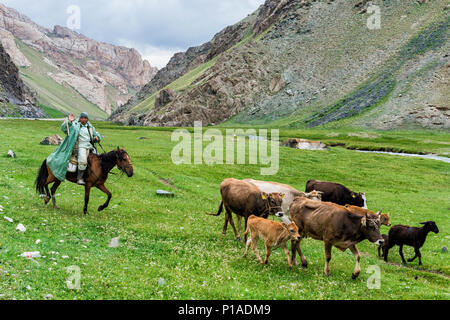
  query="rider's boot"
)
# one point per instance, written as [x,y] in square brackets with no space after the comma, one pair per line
[80,177]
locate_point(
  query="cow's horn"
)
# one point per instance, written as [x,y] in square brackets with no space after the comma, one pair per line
[379,212]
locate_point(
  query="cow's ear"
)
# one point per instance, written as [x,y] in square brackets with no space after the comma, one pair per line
[379,212]
[264,196]
[363,221]
[284,225]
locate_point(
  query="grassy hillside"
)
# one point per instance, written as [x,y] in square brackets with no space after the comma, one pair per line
[50,93]
[335,71]
[173,239]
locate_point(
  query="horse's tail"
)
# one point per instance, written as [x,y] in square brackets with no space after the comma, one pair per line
[41,179]
[219,212]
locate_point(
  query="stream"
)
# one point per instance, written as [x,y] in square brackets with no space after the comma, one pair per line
[425,156]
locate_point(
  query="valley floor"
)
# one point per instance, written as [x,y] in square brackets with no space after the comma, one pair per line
[170,249]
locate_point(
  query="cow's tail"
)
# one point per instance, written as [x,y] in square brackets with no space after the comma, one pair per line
[41,179]
[218,212]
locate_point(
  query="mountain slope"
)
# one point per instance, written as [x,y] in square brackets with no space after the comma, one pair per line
[59,63]
[16,99]
[315,63]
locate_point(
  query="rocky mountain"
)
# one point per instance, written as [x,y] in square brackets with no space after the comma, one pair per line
[60,62]
[306,63]
[16,99]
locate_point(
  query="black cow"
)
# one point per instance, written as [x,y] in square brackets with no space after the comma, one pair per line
[337,193]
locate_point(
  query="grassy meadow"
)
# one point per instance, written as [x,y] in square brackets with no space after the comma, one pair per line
[169,248]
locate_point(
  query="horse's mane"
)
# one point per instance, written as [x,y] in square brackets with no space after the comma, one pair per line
[108,160]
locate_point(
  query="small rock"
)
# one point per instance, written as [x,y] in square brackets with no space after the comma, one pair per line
[8,219]
[38,241]
[114,243]
[161,281]
[29,288]
[52,140]
[444,249]
[48,297]
[164,193]
[21,228]
[65,257]
[289,92]
[11,154]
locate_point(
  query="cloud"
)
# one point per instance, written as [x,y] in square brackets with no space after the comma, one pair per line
[157,28]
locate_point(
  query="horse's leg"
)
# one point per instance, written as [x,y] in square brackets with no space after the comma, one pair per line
[48,197]
[87,192]
[105,205]
[51,178]
[54,187]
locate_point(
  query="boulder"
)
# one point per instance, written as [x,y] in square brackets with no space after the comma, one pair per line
[165,97]
[304,144]
[54,140]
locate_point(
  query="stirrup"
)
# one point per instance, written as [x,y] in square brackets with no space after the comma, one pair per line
[81,182]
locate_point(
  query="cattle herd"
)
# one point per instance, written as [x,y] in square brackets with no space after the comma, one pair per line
[326,211]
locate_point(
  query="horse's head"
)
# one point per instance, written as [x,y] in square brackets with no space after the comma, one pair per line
[124,162]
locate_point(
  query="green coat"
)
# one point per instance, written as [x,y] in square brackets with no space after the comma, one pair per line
[58,161]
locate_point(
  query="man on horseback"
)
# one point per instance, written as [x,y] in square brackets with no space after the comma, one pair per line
[81,134]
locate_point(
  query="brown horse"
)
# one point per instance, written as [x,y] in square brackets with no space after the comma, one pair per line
[95,176]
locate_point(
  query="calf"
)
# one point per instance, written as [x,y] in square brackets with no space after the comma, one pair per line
[274,234]
[244,198]
[411,236]
[336,226]
[383,246]
[384,217]
[337,193]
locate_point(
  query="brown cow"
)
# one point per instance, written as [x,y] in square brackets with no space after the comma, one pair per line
[384,217]
[274,234]
[244,198]
[336,226]
[337,193]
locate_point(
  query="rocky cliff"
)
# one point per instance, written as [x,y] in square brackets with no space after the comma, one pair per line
[310,63]
[104,74]
[16,99]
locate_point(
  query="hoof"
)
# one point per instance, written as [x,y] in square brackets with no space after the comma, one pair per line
[101,208]
[46,200]
[354,276]
[56,207]
[305,265]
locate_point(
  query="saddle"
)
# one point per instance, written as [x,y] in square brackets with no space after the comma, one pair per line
[73,162]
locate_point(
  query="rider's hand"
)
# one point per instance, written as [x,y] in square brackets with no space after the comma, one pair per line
[71,117]
[96,139]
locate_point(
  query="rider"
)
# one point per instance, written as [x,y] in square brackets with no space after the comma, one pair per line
[87,136]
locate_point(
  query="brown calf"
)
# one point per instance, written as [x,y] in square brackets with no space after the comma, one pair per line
[274,234]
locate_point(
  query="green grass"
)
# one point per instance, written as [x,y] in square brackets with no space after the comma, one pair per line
[172,238]
[53,113]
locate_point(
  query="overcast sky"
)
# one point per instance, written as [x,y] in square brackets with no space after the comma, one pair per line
[156,28]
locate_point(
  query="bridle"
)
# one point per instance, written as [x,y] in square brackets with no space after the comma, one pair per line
[269,207]
[129,165]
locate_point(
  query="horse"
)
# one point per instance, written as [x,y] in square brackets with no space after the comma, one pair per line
[95,176]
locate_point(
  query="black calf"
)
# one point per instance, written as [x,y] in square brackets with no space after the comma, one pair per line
[411,236]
